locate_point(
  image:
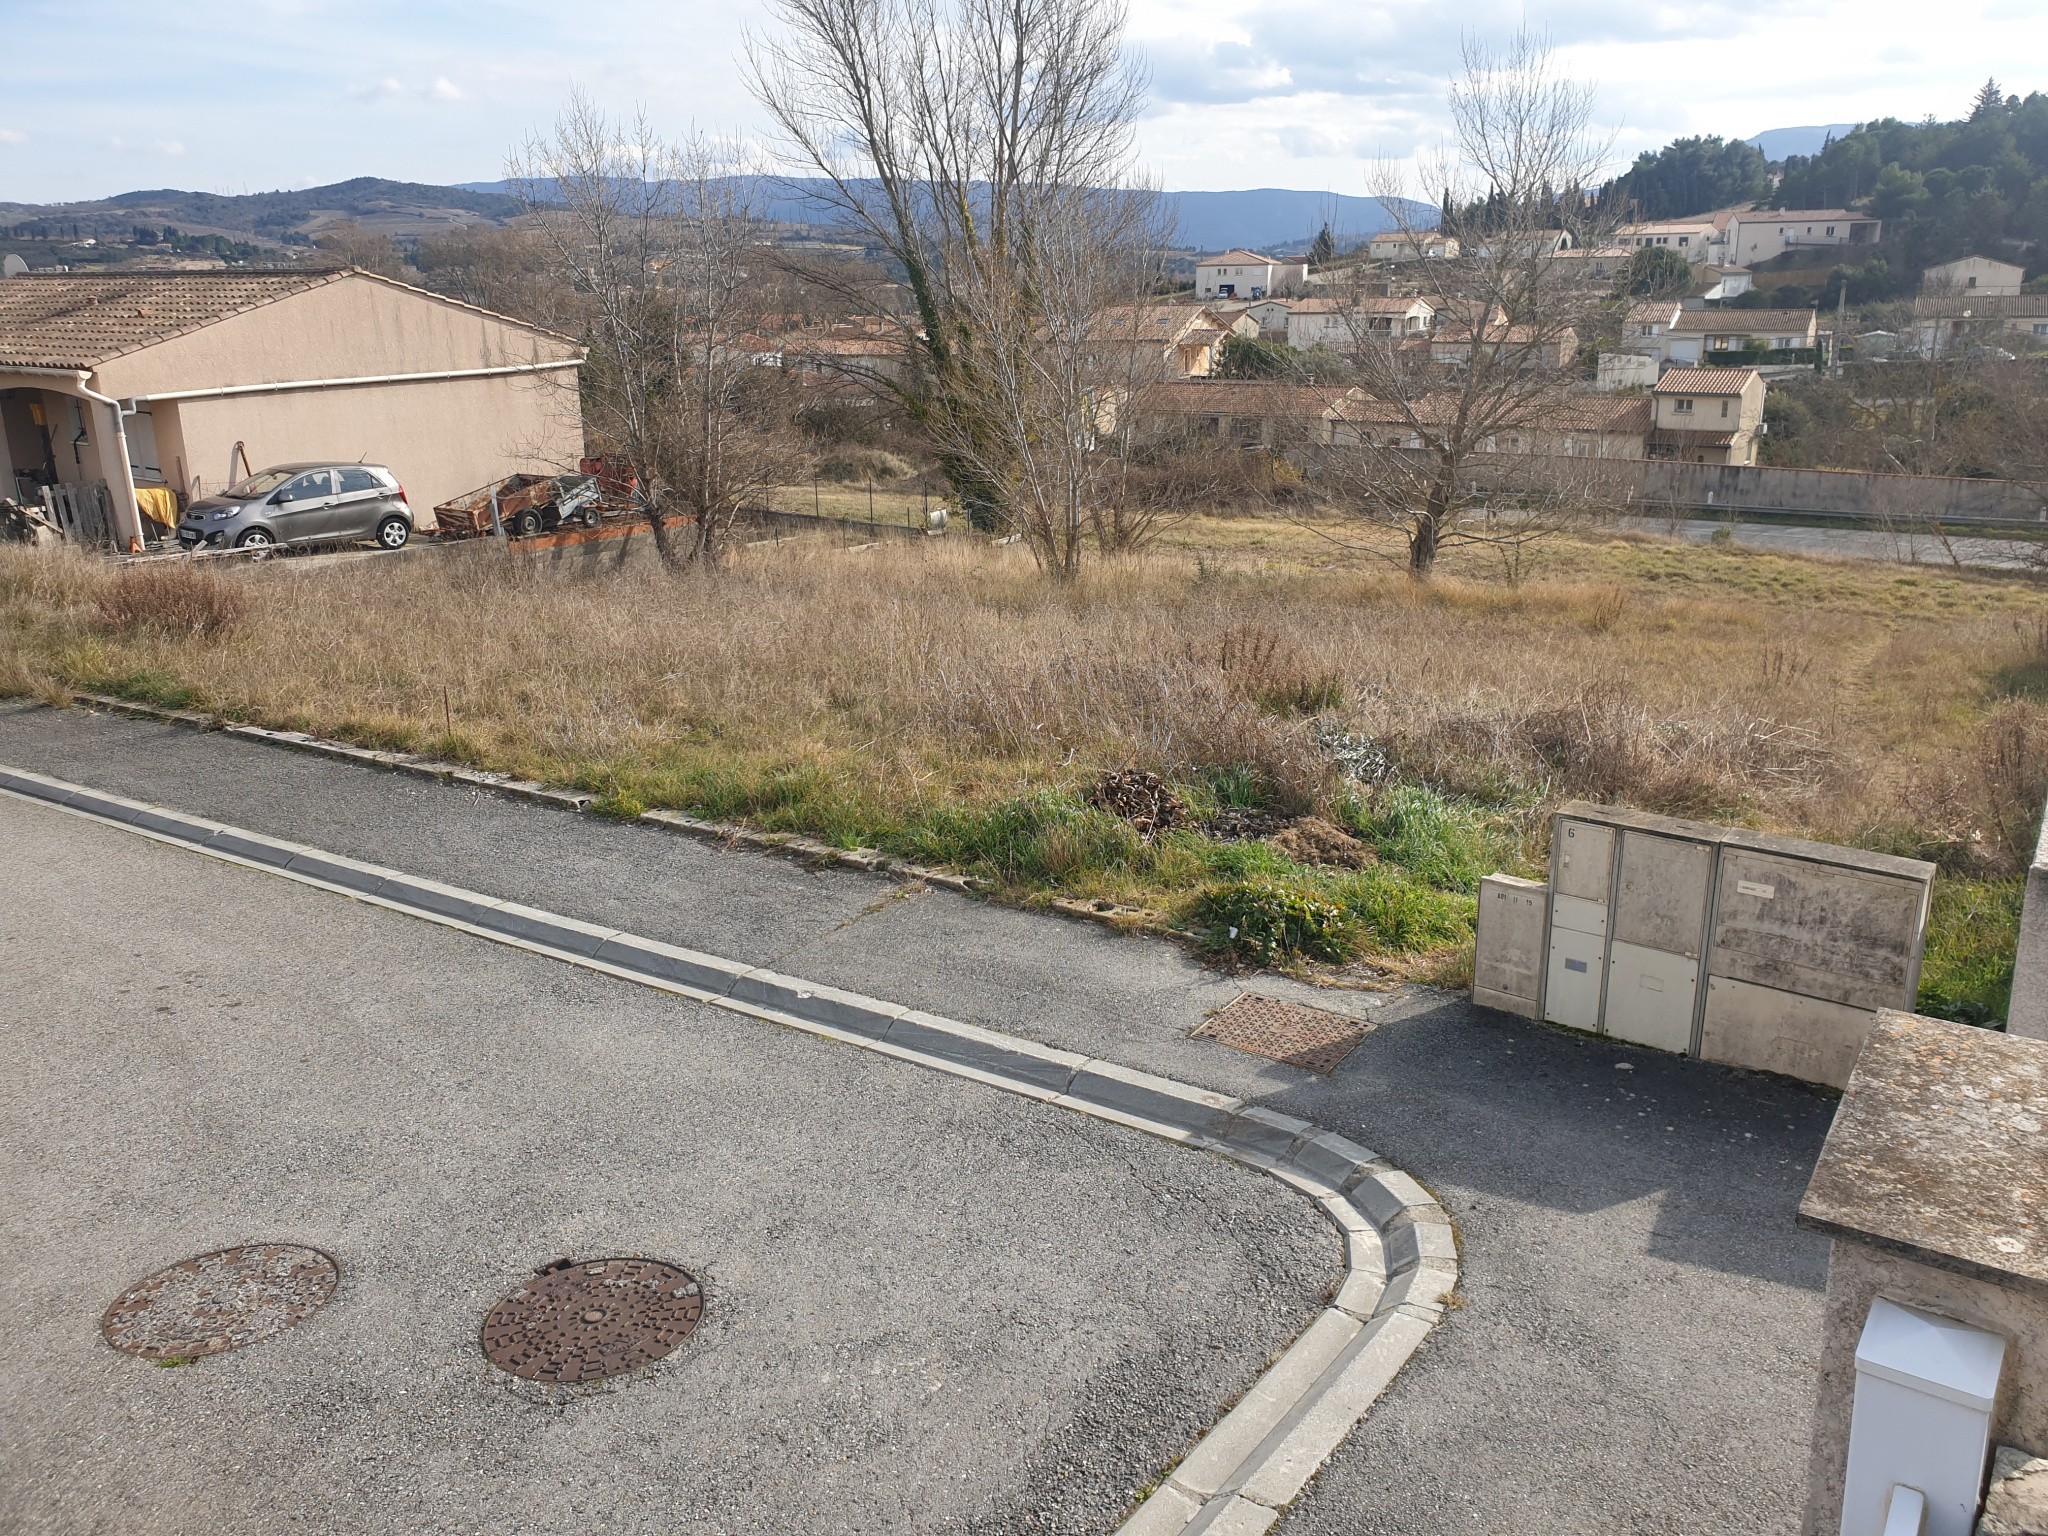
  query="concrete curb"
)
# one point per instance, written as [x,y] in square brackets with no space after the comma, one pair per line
[1400,1253]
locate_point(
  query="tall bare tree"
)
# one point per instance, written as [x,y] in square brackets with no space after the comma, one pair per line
[985,147]
[663,247]
[1510,314]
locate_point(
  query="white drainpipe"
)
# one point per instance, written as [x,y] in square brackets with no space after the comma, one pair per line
[127,512]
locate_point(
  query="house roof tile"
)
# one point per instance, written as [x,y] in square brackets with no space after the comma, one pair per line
[1744,322]
[1705,381]
[80,320]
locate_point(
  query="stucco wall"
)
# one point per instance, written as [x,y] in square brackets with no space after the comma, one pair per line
[354,327]
[2029,1012]
[441,438]
[1858,1275]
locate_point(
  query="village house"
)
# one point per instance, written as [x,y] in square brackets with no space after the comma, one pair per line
[1697,240]
[1450,344]
[1582,426]
[1242,274]
[140,390]
[1946,323]
[1340,322]
[1724,282]
[1412,245]
[1169,341]
[1976,277]
[1762,234]
[1231,413]
[1699,334]
[1708,415]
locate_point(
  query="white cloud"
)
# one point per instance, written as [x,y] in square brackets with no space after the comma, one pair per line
[12,136]
[446,89]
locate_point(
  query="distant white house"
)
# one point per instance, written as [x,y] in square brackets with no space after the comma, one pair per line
[1724,282]
[1697,240]
[1974,276]
[1339,322]
[1244,274]
[1412,245]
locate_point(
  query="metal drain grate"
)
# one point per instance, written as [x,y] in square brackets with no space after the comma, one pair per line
[220,1301]
[1289,1032]
[584,1322]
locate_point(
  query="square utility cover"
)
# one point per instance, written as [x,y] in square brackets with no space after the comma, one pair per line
[1289,1032]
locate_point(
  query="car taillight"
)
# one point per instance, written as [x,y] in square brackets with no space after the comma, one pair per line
[403,497]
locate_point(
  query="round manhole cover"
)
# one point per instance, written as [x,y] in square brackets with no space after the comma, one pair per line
[220,1301]
[587,1321]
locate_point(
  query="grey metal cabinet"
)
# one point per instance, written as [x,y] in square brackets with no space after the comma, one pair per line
[1738,946]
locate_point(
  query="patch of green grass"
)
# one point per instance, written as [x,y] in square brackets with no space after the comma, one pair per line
[1266,921]
[1448,844]
[1973,933]
[148,685]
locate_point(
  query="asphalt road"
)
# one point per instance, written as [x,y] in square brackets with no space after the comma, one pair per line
[1638,1340]
[931,1306]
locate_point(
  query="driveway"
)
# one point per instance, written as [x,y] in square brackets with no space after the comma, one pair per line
[1638,1340]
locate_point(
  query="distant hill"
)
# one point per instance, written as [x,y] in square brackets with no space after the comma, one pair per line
[1271,219]
[1777,143]
[390,207]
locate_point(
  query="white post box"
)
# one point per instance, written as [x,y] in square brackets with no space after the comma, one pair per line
[1921,1419]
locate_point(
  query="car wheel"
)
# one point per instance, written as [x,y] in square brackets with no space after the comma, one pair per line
[257,541]
[393,532]
[592,517]
[526,524]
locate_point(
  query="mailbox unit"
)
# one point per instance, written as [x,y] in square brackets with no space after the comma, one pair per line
[1740,947]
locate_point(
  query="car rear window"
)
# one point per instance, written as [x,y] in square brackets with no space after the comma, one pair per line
[359,480]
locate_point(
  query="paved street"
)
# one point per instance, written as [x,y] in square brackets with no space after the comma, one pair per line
[1640,1318]
[931,1306]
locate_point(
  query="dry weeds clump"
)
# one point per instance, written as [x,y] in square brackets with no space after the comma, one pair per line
[940,698]
[174,599]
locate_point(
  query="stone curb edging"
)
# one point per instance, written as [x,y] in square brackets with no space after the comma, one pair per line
[1401,1260]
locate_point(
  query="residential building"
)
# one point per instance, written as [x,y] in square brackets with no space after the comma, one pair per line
[1271,315]
[1708,415]
[1591,263]
[1761,234]
[181,381]
[1648,322]
[1242,274]
[1578,426]
[1724,282]
[1697,240]
[1170,341]
[1700,333]
[1976,277]
[1338,323]
[1626,370]
[1238,413]
[1945,322]
[1412,245]
[1450,344]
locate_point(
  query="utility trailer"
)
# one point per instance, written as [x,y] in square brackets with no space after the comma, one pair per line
[522,505]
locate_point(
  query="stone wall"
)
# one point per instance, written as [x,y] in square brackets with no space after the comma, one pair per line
[2029,1012]
[1839,493]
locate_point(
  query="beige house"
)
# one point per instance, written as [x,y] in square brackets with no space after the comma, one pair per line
[1696,240]
[1737,330]
[1245,274]
[174,383]
[1708,415]
[1760,234]
[2004,321]
[1412,245]
[1234,413]
[1975,277]
[1575,427]
[1338,322]
[1170,341]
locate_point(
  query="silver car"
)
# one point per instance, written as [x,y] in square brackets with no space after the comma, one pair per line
[301,504]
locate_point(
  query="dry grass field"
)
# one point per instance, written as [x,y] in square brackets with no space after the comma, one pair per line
[937,699]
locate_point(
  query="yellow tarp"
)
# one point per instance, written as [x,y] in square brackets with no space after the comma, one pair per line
[158,503]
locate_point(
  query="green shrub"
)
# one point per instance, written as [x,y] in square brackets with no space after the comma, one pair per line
[1395,913]
[1262,921]
[1441,842]
[1973,933]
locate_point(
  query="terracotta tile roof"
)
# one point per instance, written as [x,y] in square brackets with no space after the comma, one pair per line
[1674,437]
[1704,381]
[80,320]
[1985,306]
[1745,322]
[1234,397]
[1243,258]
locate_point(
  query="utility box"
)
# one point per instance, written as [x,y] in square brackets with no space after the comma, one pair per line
[1737,946]
[1507,963]
[1921,1419]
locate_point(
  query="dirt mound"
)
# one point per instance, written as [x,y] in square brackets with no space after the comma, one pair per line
[1313,840]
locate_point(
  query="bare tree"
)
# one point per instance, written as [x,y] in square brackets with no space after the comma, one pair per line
[984,146]
[662,246]
[1435,439]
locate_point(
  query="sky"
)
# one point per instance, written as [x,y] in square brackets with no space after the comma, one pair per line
[254,95]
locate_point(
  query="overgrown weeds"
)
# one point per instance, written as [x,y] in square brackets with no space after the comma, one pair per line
[939,700]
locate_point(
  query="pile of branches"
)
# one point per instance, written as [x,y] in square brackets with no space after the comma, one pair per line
[1140,798]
